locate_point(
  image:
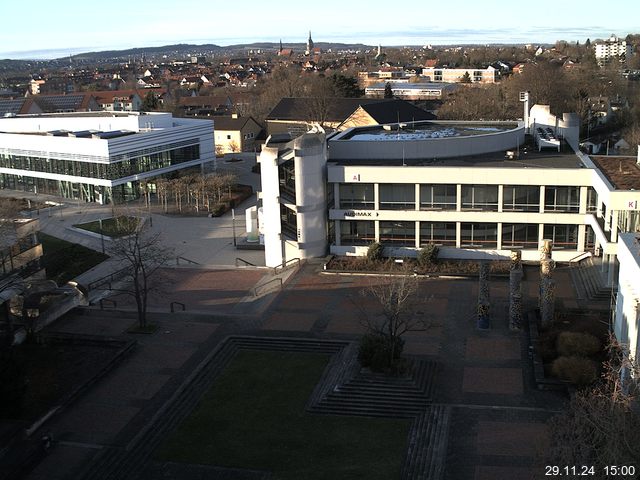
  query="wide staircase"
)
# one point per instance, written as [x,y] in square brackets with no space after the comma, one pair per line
[589,280]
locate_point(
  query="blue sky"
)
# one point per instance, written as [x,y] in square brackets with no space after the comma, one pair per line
[49,29]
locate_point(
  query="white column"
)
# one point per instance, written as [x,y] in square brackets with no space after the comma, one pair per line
[499,235]
[417,196]
[542,190]
[417,234]
[500,199]
[376,197]
[582,235]
[458,234]
[583,200]
[458,201]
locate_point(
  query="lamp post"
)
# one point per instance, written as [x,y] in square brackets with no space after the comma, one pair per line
[101,235]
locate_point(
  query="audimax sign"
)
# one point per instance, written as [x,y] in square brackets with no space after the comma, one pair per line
[360,213]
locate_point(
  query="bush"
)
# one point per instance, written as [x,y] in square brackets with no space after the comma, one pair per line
[428,255]
[576,343]
[577,370]
[374,352]
[375,252]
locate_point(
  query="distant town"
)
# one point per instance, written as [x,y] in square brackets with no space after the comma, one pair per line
[315,261]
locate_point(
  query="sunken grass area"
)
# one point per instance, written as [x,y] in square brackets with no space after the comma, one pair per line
[114,227]
[64,260]
[253,417]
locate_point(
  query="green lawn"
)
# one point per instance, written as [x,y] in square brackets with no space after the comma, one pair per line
[112,227]
[64,260]
[254,418]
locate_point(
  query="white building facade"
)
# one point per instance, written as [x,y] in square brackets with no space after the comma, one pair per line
[626,324]
[476,189]
[611,48]
[99,156]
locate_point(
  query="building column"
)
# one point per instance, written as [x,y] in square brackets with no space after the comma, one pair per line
[458,234]
[376,198]
[417,196]
[336,232]
[582,236]
[458,202]
[583,200]
[500,200]
[499,236]
[377,230]
[417,234]
[614,226]
[542,193]
[336,196]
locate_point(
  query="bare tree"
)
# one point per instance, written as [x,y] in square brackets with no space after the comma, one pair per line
[601,425]
[142,254]
[402,310]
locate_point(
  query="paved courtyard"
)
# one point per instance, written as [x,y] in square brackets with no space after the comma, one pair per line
[497,415]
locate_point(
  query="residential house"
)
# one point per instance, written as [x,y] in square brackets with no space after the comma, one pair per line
[205,106]
[235,134]
[456,75]
[119,100]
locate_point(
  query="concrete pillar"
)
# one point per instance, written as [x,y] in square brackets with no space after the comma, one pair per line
[376,196]
[500,200]
[458,200]
[583,200]
[542,189]
[417,196]
[417,243]
[499,236]
[458,235]
[582,237]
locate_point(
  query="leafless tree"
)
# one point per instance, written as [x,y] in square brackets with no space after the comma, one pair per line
[142,254]
[403,309]
[601,425]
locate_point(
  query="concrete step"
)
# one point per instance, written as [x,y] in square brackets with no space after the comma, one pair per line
[427,450]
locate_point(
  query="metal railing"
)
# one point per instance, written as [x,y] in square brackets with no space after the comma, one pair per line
[283,266]
[262,288]
[185,260]
[172,306]
[108,279]
[249,264]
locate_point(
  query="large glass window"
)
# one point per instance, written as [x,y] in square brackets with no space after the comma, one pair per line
[564,237]
[438,233]
[519,235]
[289,222]
[120,166]
[287,176]
[356,195]
[438,197]
[521,198]
[357,232]
[562,199]
[480,197]
[397,196]
[479,235]
[399,234]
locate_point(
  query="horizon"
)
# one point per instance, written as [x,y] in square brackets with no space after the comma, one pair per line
[56,32]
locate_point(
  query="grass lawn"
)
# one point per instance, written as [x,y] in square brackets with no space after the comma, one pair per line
[253,417]
[114,227]
[65,260]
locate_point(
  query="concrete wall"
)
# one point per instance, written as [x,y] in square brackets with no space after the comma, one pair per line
[627,314]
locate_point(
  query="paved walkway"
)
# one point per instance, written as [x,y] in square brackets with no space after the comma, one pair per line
[498,415]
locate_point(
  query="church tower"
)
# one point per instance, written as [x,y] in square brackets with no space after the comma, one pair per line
[309,45]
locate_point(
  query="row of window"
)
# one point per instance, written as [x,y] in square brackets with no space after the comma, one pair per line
[515,198]
[108,171]
[472,235]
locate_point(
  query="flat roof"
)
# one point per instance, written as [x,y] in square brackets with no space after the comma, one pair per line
[424,130]
[527,156]
[622,172]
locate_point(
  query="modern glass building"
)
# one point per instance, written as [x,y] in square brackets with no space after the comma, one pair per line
[98,156]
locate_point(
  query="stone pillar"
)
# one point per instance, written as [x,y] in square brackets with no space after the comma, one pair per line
[515,294]
[547,285]
[483,297]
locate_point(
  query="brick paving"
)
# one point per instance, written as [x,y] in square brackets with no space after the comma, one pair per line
[498,415]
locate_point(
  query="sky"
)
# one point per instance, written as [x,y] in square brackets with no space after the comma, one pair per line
[46,29]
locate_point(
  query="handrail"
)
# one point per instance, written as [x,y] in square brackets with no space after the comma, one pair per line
[238,259]
[171,306]
[107,279]
[102,300]
[284,265]
[186,260]
[259,287]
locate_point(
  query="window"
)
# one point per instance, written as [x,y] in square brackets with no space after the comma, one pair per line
[438,233]
[521,198]
[592,200]
[519,235]
[480,197]
[438,197]
[562,199]
[564,237]
[354,232]
[397,196]
[287,176]
[479,235]
[228,137]
[356,195]
[289,223]
[398,234]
